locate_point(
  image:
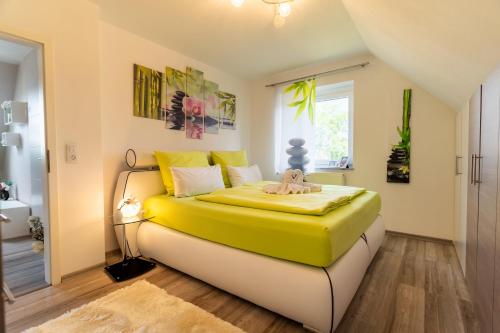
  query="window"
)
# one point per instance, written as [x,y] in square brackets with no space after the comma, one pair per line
[327,140]
[333,125]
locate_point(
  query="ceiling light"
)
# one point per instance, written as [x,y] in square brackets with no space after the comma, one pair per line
[284,9]
[237,3]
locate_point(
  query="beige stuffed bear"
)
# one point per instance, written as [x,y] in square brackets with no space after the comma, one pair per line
[292,183]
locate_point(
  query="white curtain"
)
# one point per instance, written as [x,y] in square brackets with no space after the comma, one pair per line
[286,128]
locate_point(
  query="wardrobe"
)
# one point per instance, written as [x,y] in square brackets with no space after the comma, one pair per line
[483,204]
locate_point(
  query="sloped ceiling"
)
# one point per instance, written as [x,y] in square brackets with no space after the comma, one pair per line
[242,41]
[446,46]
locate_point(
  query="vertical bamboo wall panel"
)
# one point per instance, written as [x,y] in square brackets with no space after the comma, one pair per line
[147,92]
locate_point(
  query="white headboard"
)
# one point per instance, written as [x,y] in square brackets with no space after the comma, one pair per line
[140,160]
[142,181]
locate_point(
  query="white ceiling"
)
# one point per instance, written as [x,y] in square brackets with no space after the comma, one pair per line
[13,53]
[446,46]
[242,41]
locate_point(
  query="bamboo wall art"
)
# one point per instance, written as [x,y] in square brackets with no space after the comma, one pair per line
[211,100]
[227,109]
[175,92]
[194,104]
[398,165]
[147,93]
[184,101]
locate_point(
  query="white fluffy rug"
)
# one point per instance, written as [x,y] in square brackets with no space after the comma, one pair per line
[139,308]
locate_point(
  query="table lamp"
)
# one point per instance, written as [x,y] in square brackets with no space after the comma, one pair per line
[129,208]
[131,266]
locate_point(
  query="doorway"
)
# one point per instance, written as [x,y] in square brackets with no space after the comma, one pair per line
[23,167]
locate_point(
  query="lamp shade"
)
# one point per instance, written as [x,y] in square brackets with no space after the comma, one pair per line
[129,207]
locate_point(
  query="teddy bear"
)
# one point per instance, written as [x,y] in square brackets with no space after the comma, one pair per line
[292,183]
[36,230]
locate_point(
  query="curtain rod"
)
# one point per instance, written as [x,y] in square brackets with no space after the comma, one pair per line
[333,71]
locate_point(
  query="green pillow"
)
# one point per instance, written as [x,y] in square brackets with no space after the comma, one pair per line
[229,158]
[167,159]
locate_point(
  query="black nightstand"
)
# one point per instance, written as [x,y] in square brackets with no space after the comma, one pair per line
[130,267]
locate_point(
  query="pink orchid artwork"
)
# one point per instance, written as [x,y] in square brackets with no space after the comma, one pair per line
[194,104]
[183,100]
[194,131]
[194,107]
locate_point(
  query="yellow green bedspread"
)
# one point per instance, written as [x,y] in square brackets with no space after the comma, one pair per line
[308,239]
[317,203]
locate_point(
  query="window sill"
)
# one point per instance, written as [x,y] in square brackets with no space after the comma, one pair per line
[332,169]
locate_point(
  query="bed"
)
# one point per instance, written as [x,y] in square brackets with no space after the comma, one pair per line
[255,258]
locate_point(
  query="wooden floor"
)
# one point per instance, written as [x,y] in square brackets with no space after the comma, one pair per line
[23,269]
[412,285]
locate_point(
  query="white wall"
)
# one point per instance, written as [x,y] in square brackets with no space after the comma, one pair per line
[424,207]
[8,74]
[121,130]
[460,212]
[72,30]
[27,89]
[26,163]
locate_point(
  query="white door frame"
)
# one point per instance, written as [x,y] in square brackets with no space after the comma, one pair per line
[47,79]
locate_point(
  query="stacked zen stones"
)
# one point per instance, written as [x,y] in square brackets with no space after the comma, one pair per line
[297,153]
[396,172]
[176,113]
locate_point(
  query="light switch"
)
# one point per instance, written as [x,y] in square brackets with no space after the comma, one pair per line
[72,153]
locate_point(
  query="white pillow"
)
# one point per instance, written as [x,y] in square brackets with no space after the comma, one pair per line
[194,181]
[242,175]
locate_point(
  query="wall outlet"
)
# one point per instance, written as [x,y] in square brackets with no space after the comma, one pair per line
[72,153]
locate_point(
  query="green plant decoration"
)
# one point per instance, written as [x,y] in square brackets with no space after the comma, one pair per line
[405,131]
[175,78]
[147,92]
[304,95]
[227,106]
[398,165]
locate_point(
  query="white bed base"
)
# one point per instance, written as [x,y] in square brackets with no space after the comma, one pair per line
[314,296]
